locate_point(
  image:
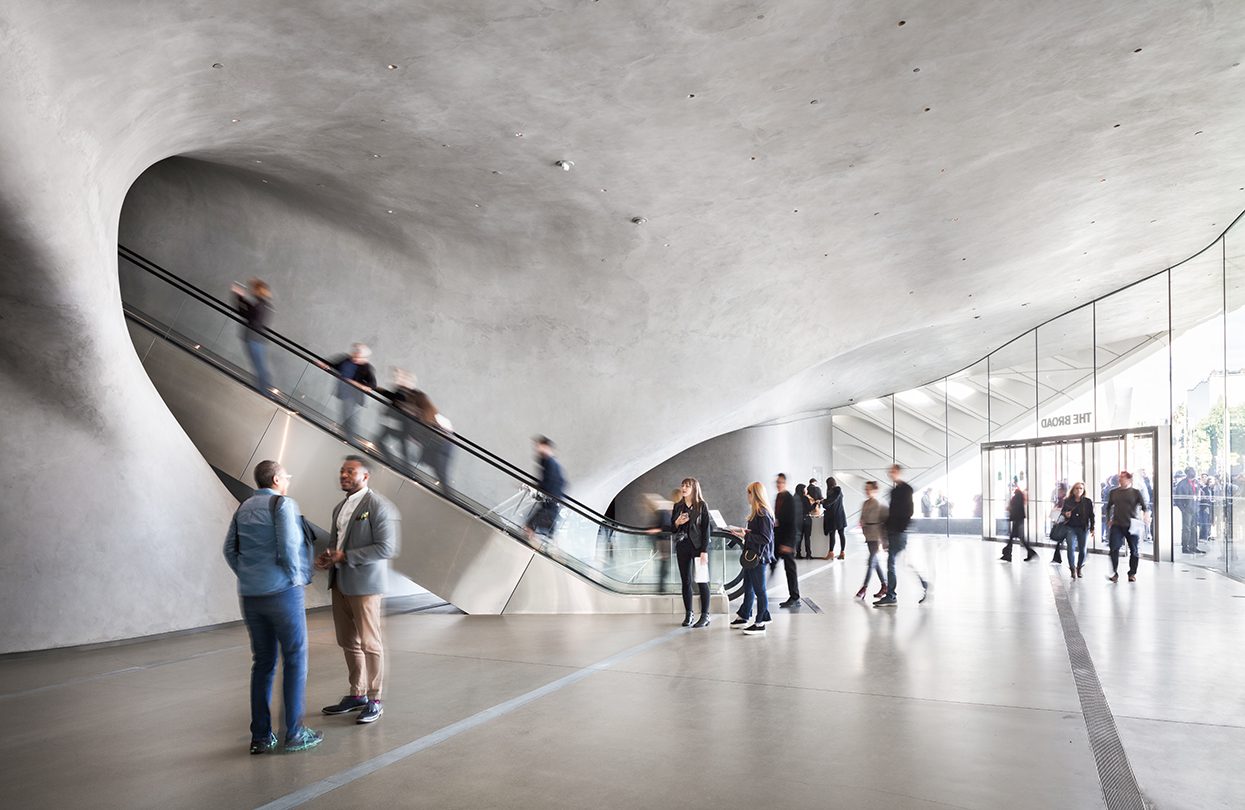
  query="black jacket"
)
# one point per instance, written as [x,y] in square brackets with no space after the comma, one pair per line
[364,374]
[552,481]
[257,311]
[900,514]
[697,527]
[786,519]
[1078,514]
[836,515]
[1016,506]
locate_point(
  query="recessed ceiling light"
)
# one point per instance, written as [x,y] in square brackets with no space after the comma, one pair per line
[375,156]
[1137,51]
[916,70]
[259,161]
[392,67]
[217,65]
[518,134]
[903,22]
[263,181]
[638,220]
[389,211]
[234,120]
[564,165]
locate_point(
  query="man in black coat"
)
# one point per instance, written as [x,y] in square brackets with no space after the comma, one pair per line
[786,531]
[897,521]
[1016,526]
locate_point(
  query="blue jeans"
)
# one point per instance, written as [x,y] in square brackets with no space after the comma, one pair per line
[257,349]
[1077,541]
[873,565]
[276,621]
[898,543]
[1119,535]
[754,590]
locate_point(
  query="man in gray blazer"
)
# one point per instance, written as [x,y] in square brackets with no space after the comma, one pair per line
[365,537]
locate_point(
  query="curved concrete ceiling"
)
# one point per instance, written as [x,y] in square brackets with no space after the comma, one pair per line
[839,199]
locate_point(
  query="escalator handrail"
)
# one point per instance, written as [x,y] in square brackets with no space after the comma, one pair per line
[493,460]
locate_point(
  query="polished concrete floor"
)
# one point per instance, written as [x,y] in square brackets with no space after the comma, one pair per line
[967,701]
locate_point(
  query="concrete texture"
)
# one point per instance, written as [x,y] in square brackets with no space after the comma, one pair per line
[967,701]
[794,253]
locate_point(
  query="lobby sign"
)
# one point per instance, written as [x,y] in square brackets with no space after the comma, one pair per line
[1068,420]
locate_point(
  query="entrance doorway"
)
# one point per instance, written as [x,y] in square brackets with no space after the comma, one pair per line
[1045,469]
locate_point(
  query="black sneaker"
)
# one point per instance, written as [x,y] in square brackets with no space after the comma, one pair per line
[754,630]
[372,713]
[303,739]
[886,601]
[349,703]
[738,622]
[264,746]
[795,600]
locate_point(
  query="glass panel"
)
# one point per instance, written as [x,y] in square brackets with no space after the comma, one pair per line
[1059,467]
[1132,356]
[1234,481]
[968,426]
[1065,374]
[863,449]
[921,447]
[1013,390]
[1008,470]
[1197,406]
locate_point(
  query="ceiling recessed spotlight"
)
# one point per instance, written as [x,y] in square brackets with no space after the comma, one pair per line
[477,205]
[217,65]
[902,23]
[927,109]
[1137,51]
[814,101]
[667,244]
[916,70]
[234,120]
[1199,132]
[518,134]
[638,220]
[1115,126]
[564,165]
[391,67]
[375,156]
[389,211]
[264,181]
[691,95]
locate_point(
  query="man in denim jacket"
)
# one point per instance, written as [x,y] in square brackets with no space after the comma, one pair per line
[267,551]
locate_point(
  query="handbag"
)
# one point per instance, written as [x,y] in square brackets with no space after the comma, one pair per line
[1059,532]
[749,559]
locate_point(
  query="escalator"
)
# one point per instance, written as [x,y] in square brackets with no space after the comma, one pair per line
[462,537]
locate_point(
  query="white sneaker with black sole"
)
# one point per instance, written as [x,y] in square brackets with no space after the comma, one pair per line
[739,623]
[754,630]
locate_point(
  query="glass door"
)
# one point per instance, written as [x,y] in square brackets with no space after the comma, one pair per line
[1059,466]
[1134,452]
[1008,469]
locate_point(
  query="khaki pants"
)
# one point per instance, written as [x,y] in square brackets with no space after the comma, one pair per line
[357,620]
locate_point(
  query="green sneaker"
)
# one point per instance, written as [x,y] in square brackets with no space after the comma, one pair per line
[304,739]
[264,746]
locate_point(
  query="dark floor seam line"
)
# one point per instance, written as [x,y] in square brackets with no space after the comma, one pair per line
[1120,790]
[672,675]
[1178,722]
[370,766]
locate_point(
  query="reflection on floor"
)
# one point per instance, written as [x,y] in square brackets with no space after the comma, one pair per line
[967,701]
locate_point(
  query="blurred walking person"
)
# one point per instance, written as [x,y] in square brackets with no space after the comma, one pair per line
[266,549]
[356,378]
[758,539]
[873,514]
[898,518]
[805,505]
[256,308]
[1016,526]
[1123,507]
[434,431]
[835,520]
[786,534]
[692,528]
[543,518]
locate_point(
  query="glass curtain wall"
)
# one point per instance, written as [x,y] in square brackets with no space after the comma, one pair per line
[1168,351]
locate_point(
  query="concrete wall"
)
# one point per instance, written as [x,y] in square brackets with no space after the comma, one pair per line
[725,465]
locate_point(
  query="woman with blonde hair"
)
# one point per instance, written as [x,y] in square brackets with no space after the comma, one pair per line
[690,518]
[758,540]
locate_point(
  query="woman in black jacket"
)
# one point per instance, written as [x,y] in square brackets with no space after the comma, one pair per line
[1078,515]
[691,545]
[835,519]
